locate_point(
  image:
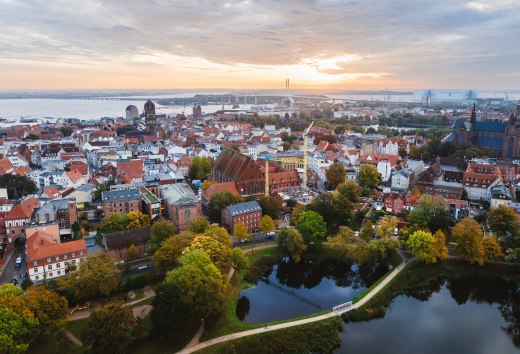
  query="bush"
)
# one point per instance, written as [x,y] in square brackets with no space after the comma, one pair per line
[141,280]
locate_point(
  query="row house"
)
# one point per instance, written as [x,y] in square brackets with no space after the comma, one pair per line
[479,179]
[391,146]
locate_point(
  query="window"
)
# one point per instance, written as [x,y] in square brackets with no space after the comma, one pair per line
[58,265]
[49,267]
[50,274]
[48,259]
[81,253]
[36,270]
[35,263]
[58,272]
[57,258]
[73,254]
[65,256]
[36,277]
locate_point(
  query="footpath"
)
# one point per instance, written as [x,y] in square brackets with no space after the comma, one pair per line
[192,347]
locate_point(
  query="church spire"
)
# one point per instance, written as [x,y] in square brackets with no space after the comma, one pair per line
[473,114]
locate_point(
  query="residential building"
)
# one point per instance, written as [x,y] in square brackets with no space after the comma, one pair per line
[62,210]
[121,201]
[15,221]
[118,243]
[181,205]
[250,213]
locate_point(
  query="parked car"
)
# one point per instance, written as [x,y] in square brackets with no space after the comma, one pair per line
[14,282]
[18,262]
[271,235]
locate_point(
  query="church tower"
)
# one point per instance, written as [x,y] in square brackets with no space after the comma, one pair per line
[149,118]
[473,114]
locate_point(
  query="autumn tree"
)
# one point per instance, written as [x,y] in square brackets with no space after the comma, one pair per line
[221,200]
[96,276]
[386,226]
[240,231]
[199,225]
[382,250]
[206,184]
[200,168]
[168,255]
[349,190]
[430,213]
[468,235]
[114,222]
[421,244]
[336,174]
[367,232]
[369,176]
[311,226]
[504,223]
[292,243]
[108,329]
[266,224]
[347,245]
[49,308]
[416,192]
[296,212]
[402,153]
[239,260]
[136,220]
[271,206]
[439,245]
[159,232]
[415,152]
[132,252]
[492,249]
[219,253]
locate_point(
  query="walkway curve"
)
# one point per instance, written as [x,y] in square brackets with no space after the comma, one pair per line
[368,297]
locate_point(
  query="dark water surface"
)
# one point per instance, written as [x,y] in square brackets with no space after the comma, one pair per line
[463,315]
[289,289]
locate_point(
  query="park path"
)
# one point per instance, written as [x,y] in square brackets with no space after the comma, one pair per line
[368,297]
[72,338]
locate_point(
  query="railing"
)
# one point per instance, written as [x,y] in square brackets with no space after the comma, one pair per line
[342,307]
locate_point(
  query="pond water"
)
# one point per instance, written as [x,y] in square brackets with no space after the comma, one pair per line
[289,289]
[463,315]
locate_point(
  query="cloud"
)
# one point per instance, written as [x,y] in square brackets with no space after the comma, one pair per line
[418,41]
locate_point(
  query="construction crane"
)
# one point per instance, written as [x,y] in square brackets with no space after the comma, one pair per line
[305,152]
[266,192]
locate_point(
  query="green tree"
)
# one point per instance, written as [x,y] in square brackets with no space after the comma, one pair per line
[200,168]
[415,152]
[382,250]
[349,190]
[96,276]
[492,249]
[266,224]
[421,244]
[292,243]
[468,235]
[136,220]
[16,331]
[368,176]
[219,253]
[402,153]
[17,186]
[199,225]
[296,212]
[201,284]
[109,327]
[335,208]
[386,226]
[132,252]
[430,213]
[271,206]
[311,226]
[240,231]
[103,187]
[239,260]
[114,222]
[347,245]
[336,174]
[168,255]
[439,245]
[504,223]
[221,200]
[160,231]
[367,233]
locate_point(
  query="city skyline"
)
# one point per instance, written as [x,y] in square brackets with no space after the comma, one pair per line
[257,44]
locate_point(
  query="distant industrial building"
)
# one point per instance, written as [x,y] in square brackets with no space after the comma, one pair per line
[132,112]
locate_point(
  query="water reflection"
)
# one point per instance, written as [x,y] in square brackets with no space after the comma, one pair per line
[289,289]
[459,314]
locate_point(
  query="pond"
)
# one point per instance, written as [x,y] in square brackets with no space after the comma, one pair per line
[288,290]
[470,314]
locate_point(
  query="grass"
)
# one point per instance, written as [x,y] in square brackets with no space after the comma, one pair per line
[369,289]
[77,327]
[256,245]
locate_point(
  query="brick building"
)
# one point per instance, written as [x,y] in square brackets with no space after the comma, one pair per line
[121,201]
[118,243]
[181,205]
[250,213]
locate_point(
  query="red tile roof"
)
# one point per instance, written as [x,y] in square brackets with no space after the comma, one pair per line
[19,211]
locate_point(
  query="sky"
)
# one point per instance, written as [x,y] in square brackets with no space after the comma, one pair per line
[360,44]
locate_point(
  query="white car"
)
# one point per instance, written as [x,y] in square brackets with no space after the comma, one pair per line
[356,233]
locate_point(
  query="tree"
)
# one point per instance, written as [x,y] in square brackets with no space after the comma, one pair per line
[292,243]
[421,244]
[136,220]
[349,190]
[349,246]
[468,235]
[368,176]
[504,223]
[132,252]
[160,231]
[235,147]
[416,192]
[492,249]
[439,245]
[367,233]
[202,284]
[415,152]
[49,308]
[96,276]
[386,226]
[114,222]
[16,331]
[336,174]
[221,200]
[430,213]
[402,153]
[311,226]
[296,212]
[239,260]
[17,186]
[109,327]
[206,184]
[335,208]
[103,187]
[200,168]
[382,250]
[240,231]
[271,206]
[266,224]
[219,253]
[168,255]
[199,225]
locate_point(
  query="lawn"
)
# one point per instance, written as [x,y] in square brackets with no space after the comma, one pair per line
[77,327]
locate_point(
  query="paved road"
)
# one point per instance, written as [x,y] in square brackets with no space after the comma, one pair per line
[9,271]
[331,314]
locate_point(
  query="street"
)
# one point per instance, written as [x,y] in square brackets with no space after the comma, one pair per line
[9,270]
